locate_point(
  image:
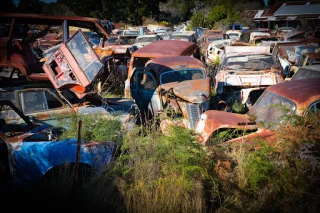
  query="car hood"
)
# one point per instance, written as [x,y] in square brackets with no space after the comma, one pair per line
[189,90]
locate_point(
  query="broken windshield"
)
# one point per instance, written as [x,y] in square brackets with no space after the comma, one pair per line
[253,62]
[272,110]
[84,55]
[181,75]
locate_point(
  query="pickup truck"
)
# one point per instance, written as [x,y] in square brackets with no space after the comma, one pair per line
[244,73]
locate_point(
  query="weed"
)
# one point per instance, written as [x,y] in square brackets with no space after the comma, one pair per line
[163,173]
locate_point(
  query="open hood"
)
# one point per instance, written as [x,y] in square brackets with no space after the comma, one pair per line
[189,90]
[74,65]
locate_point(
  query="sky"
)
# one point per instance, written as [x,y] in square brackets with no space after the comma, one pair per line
[46,1]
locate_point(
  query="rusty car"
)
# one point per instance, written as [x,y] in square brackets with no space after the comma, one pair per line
[33,153]
[41,101]
[184,36]
[208,37]
[243,74]
[16,52]
[288,54]
[272,110]
[178,85]
[143,40]
[157,49]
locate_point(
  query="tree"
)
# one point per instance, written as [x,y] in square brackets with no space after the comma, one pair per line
[30,6]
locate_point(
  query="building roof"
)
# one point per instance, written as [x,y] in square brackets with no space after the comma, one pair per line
[290,11]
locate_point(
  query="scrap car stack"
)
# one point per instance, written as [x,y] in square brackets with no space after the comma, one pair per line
[196,82]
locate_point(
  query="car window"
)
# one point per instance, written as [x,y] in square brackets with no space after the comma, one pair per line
[52,101]
[315,109]
[8,96]
[255,62]
[181,75]
[33,101]
[146,81]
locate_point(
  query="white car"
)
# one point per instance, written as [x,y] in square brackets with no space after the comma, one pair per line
[144,40]
[164,33]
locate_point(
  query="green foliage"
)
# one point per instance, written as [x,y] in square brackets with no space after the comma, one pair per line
[94,127]
[163,173]
[238,107]
[217,13]
[200,19]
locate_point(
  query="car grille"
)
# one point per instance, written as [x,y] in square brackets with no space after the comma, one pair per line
[193,114]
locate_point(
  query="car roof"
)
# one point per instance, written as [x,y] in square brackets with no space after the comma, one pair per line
[302,92]
[163,48]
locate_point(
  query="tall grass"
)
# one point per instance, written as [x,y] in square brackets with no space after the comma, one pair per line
[173,173]
[158,173]
[272,178]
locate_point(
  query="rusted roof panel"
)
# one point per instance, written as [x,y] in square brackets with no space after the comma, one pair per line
[163,64]
[297,90]
[166,48]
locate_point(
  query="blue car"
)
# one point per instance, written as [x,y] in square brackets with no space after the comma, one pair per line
[32,152]
[94,39]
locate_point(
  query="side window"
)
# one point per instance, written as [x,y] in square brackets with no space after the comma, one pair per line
[52,101]
[8,96]
[146,81]
[34,101]
[315,109]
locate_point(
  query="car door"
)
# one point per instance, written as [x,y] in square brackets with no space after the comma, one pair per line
[143,88]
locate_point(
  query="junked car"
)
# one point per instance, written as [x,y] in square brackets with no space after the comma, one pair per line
[287,54]
[176,85]
[146,39]
[243,74]
[41,101]
[208,37]
[272,110]
[33,153]
[215,51]
[185,36]
[157,49]
[307,63]
[234,34]
[16,51]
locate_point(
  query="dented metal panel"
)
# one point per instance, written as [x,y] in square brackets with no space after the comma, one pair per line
[212,120]
[190,90]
